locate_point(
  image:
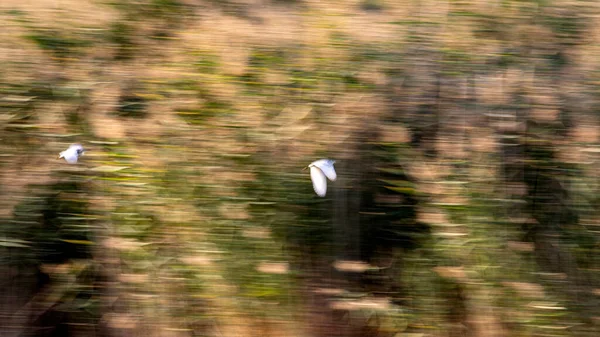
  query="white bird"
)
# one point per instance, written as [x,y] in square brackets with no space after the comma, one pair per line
[72,153]
[318,171]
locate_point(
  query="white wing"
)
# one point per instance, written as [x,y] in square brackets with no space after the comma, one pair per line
[75,147]
[70,156]
[326,165]
[318,180]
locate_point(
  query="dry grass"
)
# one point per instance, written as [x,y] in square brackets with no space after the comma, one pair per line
[319,38]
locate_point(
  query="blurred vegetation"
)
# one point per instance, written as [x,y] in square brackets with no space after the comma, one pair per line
[465,135]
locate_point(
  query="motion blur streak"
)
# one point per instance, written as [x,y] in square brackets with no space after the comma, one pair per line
[466,141]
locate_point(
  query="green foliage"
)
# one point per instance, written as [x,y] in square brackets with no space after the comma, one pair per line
[121,34]
[262,58]
[132,106]
[133,223]
[568,27]
[52,226]
[133,102]
[172,11]
[207,63]
[388,202]
[15,12]
[162,15]
[372,5]
[58,43]
[210,108]
[208,218]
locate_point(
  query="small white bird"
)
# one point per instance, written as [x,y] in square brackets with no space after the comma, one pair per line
[318,171]
[72,153]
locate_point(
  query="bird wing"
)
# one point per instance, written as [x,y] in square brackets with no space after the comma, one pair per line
[70,156]
[318,180]
[76,148]
[326,165]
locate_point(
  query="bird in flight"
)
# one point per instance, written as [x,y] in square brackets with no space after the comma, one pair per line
[319,171]
[72,153]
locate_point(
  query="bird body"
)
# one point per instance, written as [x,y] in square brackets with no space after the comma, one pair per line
[72,153]
[320,170]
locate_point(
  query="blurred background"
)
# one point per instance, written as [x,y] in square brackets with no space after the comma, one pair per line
[467,146]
